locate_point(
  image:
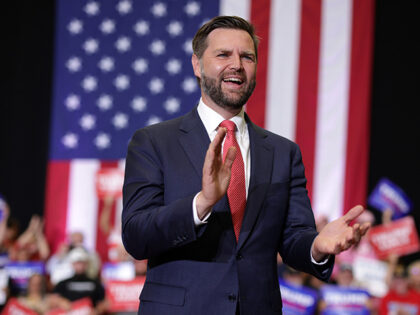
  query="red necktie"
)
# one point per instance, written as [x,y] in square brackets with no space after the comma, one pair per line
[236,190]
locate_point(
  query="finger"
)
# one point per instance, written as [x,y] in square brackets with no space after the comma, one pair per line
[216,144]
[353,213]
[230,157]
[364,228]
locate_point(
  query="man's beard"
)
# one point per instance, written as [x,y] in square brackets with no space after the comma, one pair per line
[214,90]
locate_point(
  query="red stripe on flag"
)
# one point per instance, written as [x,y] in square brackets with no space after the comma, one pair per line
[359,104]
[307,94]
[260,17]
[56,202]
[106,218]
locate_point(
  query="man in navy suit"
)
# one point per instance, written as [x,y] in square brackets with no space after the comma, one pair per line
[177,200]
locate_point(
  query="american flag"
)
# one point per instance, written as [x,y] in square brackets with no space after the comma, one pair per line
[121,65]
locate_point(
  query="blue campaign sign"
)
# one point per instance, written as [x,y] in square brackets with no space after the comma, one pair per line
[297,300]
[387,195]
[344,301]
[20,272]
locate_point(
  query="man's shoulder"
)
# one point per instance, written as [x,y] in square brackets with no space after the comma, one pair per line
[273,138]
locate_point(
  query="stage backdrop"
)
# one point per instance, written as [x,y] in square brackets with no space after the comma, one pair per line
[122,65]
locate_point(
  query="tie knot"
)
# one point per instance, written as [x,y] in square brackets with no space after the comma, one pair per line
[228,124]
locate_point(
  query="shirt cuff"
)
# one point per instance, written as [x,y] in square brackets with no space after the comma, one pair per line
[197,221]
[321,262]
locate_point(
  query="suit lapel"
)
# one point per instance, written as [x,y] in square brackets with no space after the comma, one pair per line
[261,170]
[194,140]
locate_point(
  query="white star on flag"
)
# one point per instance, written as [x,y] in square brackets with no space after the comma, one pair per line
[106,64]
[141,27]
[73,102]
[157,47]
[174,28]
[173,66]
[74,64]
[138,104]
[92,8]
[192,8]
[104,102]
[89,83]
[120,120]
[87,122]
[172,105]
[107,26]
[91,46]
[159,9]
[156,85]
[140,65]
[122,82]
[189,85]
[75,27]
[123,44]
[70,140]
[153,120]
[102,140]
[124,7]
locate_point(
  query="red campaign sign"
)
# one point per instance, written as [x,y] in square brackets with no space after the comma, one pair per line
[398,237]
[13,307]
[79,307]
[109,182]
[123,296]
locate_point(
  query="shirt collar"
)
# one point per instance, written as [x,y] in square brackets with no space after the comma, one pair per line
[212,119]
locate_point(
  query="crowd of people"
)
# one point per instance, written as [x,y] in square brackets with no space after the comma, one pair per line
[74,272]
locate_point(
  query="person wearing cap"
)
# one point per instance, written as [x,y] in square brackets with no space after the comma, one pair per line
[80,285]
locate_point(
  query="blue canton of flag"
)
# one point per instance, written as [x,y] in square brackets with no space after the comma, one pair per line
[121,65]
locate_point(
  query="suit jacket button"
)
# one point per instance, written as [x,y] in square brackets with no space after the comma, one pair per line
[232,297]
[239,257]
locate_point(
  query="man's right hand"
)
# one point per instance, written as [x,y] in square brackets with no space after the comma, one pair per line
[216,175]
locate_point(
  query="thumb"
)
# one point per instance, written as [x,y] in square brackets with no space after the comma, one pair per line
[353,213]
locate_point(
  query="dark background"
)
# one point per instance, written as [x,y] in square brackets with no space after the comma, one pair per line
[27,40]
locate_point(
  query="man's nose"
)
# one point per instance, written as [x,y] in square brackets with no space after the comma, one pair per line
[236,62]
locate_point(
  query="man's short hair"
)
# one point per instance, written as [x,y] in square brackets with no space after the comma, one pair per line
[199,43]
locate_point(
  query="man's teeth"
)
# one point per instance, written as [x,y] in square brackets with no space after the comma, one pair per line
[234,80]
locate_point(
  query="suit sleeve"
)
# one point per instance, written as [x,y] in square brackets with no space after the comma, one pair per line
[149,226]
[300,231]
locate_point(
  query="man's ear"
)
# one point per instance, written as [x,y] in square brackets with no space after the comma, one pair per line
[196,65]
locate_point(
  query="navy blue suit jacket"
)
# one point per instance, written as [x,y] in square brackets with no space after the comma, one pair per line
[204,270]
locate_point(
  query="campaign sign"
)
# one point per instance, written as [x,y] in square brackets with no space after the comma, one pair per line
[20,272]
[297,300]
[370,273]
[398,237]
[122,271]
[123,296]
[78,307]
[344,300]
[109,182]
[13,307]
[387,195]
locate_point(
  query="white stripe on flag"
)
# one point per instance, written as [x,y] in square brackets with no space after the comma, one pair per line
[280,114]
[331,131]
[82,208]
[235,7]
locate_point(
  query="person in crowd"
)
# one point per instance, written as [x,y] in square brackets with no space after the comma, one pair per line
[80,285]
[31,245]
[36,297]
[414,275]
[60,267]
[400,299]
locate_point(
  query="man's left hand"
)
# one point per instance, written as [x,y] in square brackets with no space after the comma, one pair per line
[338,235]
